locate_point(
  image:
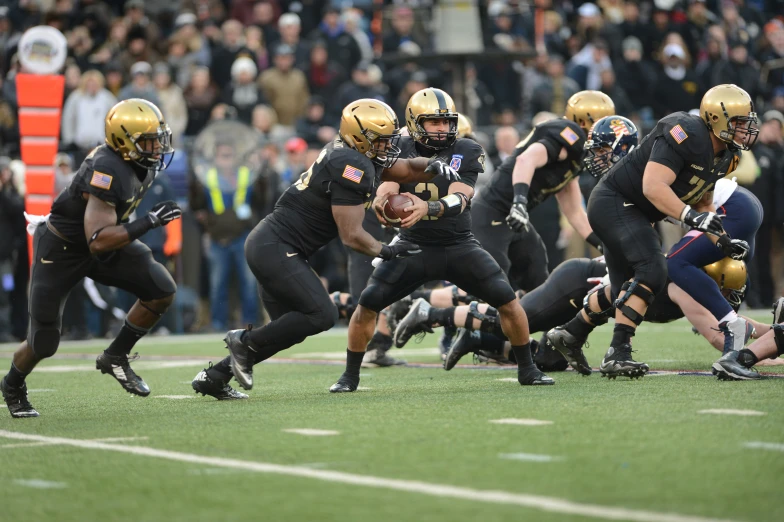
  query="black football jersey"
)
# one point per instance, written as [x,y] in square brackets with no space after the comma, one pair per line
[105,175]
[339,176]
[681,142]
[468,159]
[554,135]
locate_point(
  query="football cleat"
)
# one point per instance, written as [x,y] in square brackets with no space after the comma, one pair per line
[241,357]
[415,322]
[378,358]
[203,384]
[571,348]
[778,311]
[546,358]
[729,368]
[734,334]
[618,362]
[445,343]
[466,341]
[532,376]
[345,384]
[16,400]
[397,311]
[488,357]
[119,367]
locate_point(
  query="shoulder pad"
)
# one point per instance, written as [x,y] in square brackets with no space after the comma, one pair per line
[687,134]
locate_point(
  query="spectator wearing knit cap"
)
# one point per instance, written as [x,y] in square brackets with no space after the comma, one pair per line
[635,74]
[225,52]
[141,84]
[363,84]
[677,86]
[289,30]
[324,75]
[138,49]
[243,93]
[285,87]
[342,47]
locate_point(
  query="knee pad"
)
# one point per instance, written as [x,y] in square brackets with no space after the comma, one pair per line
[44,340]
[633,288]
[489,321]
[458,299]
[778,336]
[164,282]
[607,308]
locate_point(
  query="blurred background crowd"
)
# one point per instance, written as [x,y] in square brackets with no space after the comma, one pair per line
[280,71]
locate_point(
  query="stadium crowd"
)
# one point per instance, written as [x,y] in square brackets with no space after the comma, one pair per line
[285,69]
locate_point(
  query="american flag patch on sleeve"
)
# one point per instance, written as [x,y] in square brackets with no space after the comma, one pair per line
[570,136]
[101,180]
[678,134]
[353,173]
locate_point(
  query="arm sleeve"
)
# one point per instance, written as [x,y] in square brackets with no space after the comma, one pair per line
[664,154]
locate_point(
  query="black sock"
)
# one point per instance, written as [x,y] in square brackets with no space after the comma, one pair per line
[442,316]
[579,327]
[523,355]
[425,294]
[15,377]
[126,339]
[622,334]
[491,343]
[353,361]
[747,358]
[221,372]
[380,341]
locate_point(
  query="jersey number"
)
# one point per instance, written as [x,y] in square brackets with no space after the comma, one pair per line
[304,180]
[696,193]
[431,191]
[131,209]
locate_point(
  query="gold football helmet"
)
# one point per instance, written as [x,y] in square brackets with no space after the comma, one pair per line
[587,107]
[371,128]
[135,129]
[730,275]
[729,113]
[464,126]
[426,104]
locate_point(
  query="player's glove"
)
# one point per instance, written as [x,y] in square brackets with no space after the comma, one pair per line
[735,248]
[164,213]
[518,218]
[709,222]
[438,167]
[401,248]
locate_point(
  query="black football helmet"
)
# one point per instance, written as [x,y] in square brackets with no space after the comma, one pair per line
[610,139]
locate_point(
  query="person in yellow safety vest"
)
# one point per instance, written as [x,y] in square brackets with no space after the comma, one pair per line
[229,205]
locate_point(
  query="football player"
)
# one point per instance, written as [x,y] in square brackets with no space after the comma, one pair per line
[328,200]
[672,168]
[90,233]
[439,222]
[544,163]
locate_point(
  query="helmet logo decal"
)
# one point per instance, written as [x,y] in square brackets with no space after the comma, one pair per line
[619,128]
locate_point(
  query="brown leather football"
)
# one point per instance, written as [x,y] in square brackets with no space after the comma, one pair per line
[393,208]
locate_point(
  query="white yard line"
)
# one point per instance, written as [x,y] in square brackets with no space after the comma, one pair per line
[141,365]
[529,457]
[40,484]
[522,422]
[746,413]
[36,444]
[550,504]
[175,397]
[310,432]
[772,446]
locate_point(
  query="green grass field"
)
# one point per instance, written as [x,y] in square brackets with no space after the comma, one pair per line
[416,444]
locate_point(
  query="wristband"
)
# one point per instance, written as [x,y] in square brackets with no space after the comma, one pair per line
[386,253]
[453,204]
[684,212]
[434,208]
[521,189]
[138,227]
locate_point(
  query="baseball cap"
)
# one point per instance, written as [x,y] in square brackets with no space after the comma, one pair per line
[141,68]
[674,50]
[296,144]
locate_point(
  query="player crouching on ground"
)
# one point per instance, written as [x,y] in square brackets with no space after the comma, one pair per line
[440,223]
[328,200]
[88,234]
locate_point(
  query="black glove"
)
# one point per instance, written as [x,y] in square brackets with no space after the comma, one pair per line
[709,222]
[164,213]
[518,218]
[401,248]
[438,167]
[735,248]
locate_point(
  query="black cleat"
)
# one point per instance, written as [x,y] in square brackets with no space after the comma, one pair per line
[729,368]
[16,400]
[488,357]
[618,362]
[546,357]
[203,384]
[467,341]
[778,311]
[378,358]
[414,323]
[397,311]
[241,357]
[571,348]
[532,376]
[345,384]
[445,343]
[119,367]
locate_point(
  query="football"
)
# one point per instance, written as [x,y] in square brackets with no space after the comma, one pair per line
[393,208]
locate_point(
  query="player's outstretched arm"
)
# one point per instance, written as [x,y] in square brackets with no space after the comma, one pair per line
[418,170]
[349,218]
[105,235]
[570,200]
